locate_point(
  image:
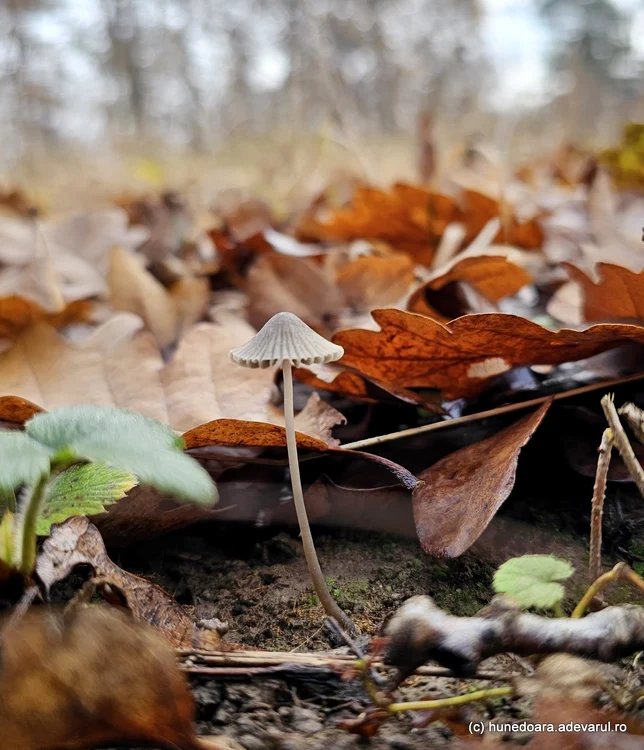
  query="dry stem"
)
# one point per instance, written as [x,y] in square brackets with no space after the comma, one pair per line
[597,513]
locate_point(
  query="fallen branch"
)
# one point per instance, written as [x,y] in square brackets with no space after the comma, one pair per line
[242,664]
[597,513]
[420,631]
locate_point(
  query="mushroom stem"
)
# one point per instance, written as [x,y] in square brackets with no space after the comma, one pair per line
[312,562]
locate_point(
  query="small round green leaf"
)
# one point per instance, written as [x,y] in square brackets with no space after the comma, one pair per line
[532,580]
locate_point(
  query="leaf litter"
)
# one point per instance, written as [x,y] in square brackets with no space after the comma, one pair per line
[442,297]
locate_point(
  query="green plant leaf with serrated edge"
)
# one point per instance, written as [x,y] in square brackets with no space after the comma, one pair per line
[82,490]
[23,460]
[126,440]
[532,580]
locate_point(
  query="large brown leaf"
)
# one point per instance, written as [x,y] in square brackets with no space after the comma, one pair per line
[120,365]
[461,358]
[464,490]
[376,280]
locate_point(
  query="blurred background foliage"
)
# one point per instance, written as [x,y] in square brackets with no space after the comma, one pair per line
[272,92]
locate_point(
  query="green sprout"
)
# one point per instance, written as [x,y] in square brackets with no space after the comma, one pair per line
[75,461]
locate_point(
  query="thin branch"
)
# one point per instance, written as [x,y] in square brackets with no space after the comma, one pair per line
[454,700]
[507,408]
[622,443]
[420,631]
[597,512]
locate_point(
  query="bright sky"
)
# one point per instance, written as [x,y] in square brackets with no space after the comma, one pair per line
[519,42]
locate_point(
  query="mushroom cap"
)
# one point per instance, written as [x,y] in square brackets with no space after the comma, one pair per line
[285,338]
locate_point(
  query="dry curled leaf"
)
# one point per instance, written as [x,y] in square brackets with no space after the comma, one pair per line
[463,357]
[91,677]
[618,294]
[78,542]
[464,490]
[494,276]
[337,379]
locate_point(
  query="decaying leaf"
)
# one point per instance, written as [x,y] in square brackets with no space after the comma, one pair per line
[78,542]
[494,276]
[91,677]
[375,280]
[464,490]
[462,358]
[120,365]
[335,378]
[165,312]
[282,283]
[617,295]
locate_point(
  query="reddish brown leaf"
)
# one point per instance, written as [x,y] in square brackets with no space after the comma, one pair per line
[78,542]
[16,409]
[494,276]
[479,209]
[461,358]
[17,313]
[91,677]
[348,383]
[408,218]
[239,432]
[618,295]
[464,490]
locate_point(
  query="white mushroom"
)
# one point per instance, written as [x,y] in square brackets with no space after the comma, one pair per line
[286,341]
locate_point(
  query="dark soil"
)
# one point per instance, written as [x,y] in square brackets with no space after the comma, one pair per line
[256,581]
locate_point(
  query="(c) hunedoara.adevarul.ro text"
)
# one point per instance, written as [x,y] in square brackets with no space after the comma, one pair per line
[480,727]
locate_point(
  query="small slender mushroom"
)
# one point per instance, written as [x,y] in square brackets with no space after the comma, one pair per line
[287,341]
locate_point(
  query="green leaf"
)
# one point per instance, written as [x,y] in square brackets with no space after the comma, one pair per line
[532,580]
[66,428]
[126,440]
[7,527]
[7,500]
[22,460]
[82,490]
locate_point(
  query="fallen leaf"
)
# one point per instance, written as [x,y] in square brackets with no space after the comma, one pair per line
[78,542]
[464,490]
[494,276]
[617,295]
[337,379]
[132,288]
[239,432]
[375,280]
[479,209]
[409,218]
[461,358]
[88,677]
[282,283]
[120,365]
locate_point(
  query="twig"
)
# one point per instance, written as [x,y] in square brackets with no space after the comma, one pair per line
[455,700]
[622,443]
[507,408]
[420,631]
[597,513]
[229,663]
